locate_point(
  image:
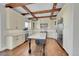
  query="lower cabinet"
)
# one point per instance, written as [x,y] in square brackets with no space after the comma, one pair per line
[20,39]
[52,35]
[14,41]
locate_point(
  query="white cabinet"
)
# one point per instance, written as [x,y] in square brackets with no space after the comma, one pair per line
[20,23]
[52,34]
[14,20]
[14,28]
[11,22]
[20,39]
[14,41]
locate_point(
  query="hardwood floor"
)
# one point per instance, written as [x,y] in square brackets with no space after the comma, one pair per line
[52,49]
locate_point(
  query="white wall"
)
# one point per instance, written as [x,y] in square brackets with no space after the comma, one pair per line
[0,31]
[70,14]
[2,27]
[67,14]
[76,30]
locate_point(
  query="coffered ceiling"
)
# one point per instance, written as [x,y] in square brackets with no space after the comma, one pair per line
[36,10]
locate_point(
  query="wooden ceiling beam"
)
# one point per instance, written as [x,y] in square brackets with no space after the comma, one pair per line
[14,5]
[38,12]
[43,11]
[25,8]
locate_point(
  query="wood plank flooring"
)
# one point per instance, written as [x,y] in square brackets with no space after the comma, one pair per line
[52,49]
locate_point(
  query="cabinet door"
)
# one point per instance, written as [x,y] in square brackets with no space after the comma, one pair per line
[15,39]
[14,20]
[20,23]
[21,39]
[11,22]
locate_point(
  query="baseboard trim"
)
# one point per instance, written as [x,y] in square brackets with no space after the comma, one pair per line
[11,49]
[17,46]
[4,49]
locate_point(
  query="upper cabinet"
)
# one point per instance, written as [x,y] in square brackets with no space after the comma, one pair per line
[14,20]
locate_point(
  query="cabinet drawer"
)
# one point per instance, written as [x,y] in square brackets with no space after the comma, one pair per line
[15,39]
[21,39]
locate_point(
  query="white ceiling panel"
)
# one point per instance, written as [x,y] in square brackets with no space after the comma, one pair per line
[40,6]
[44,14]
[20,10]
[60,5]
